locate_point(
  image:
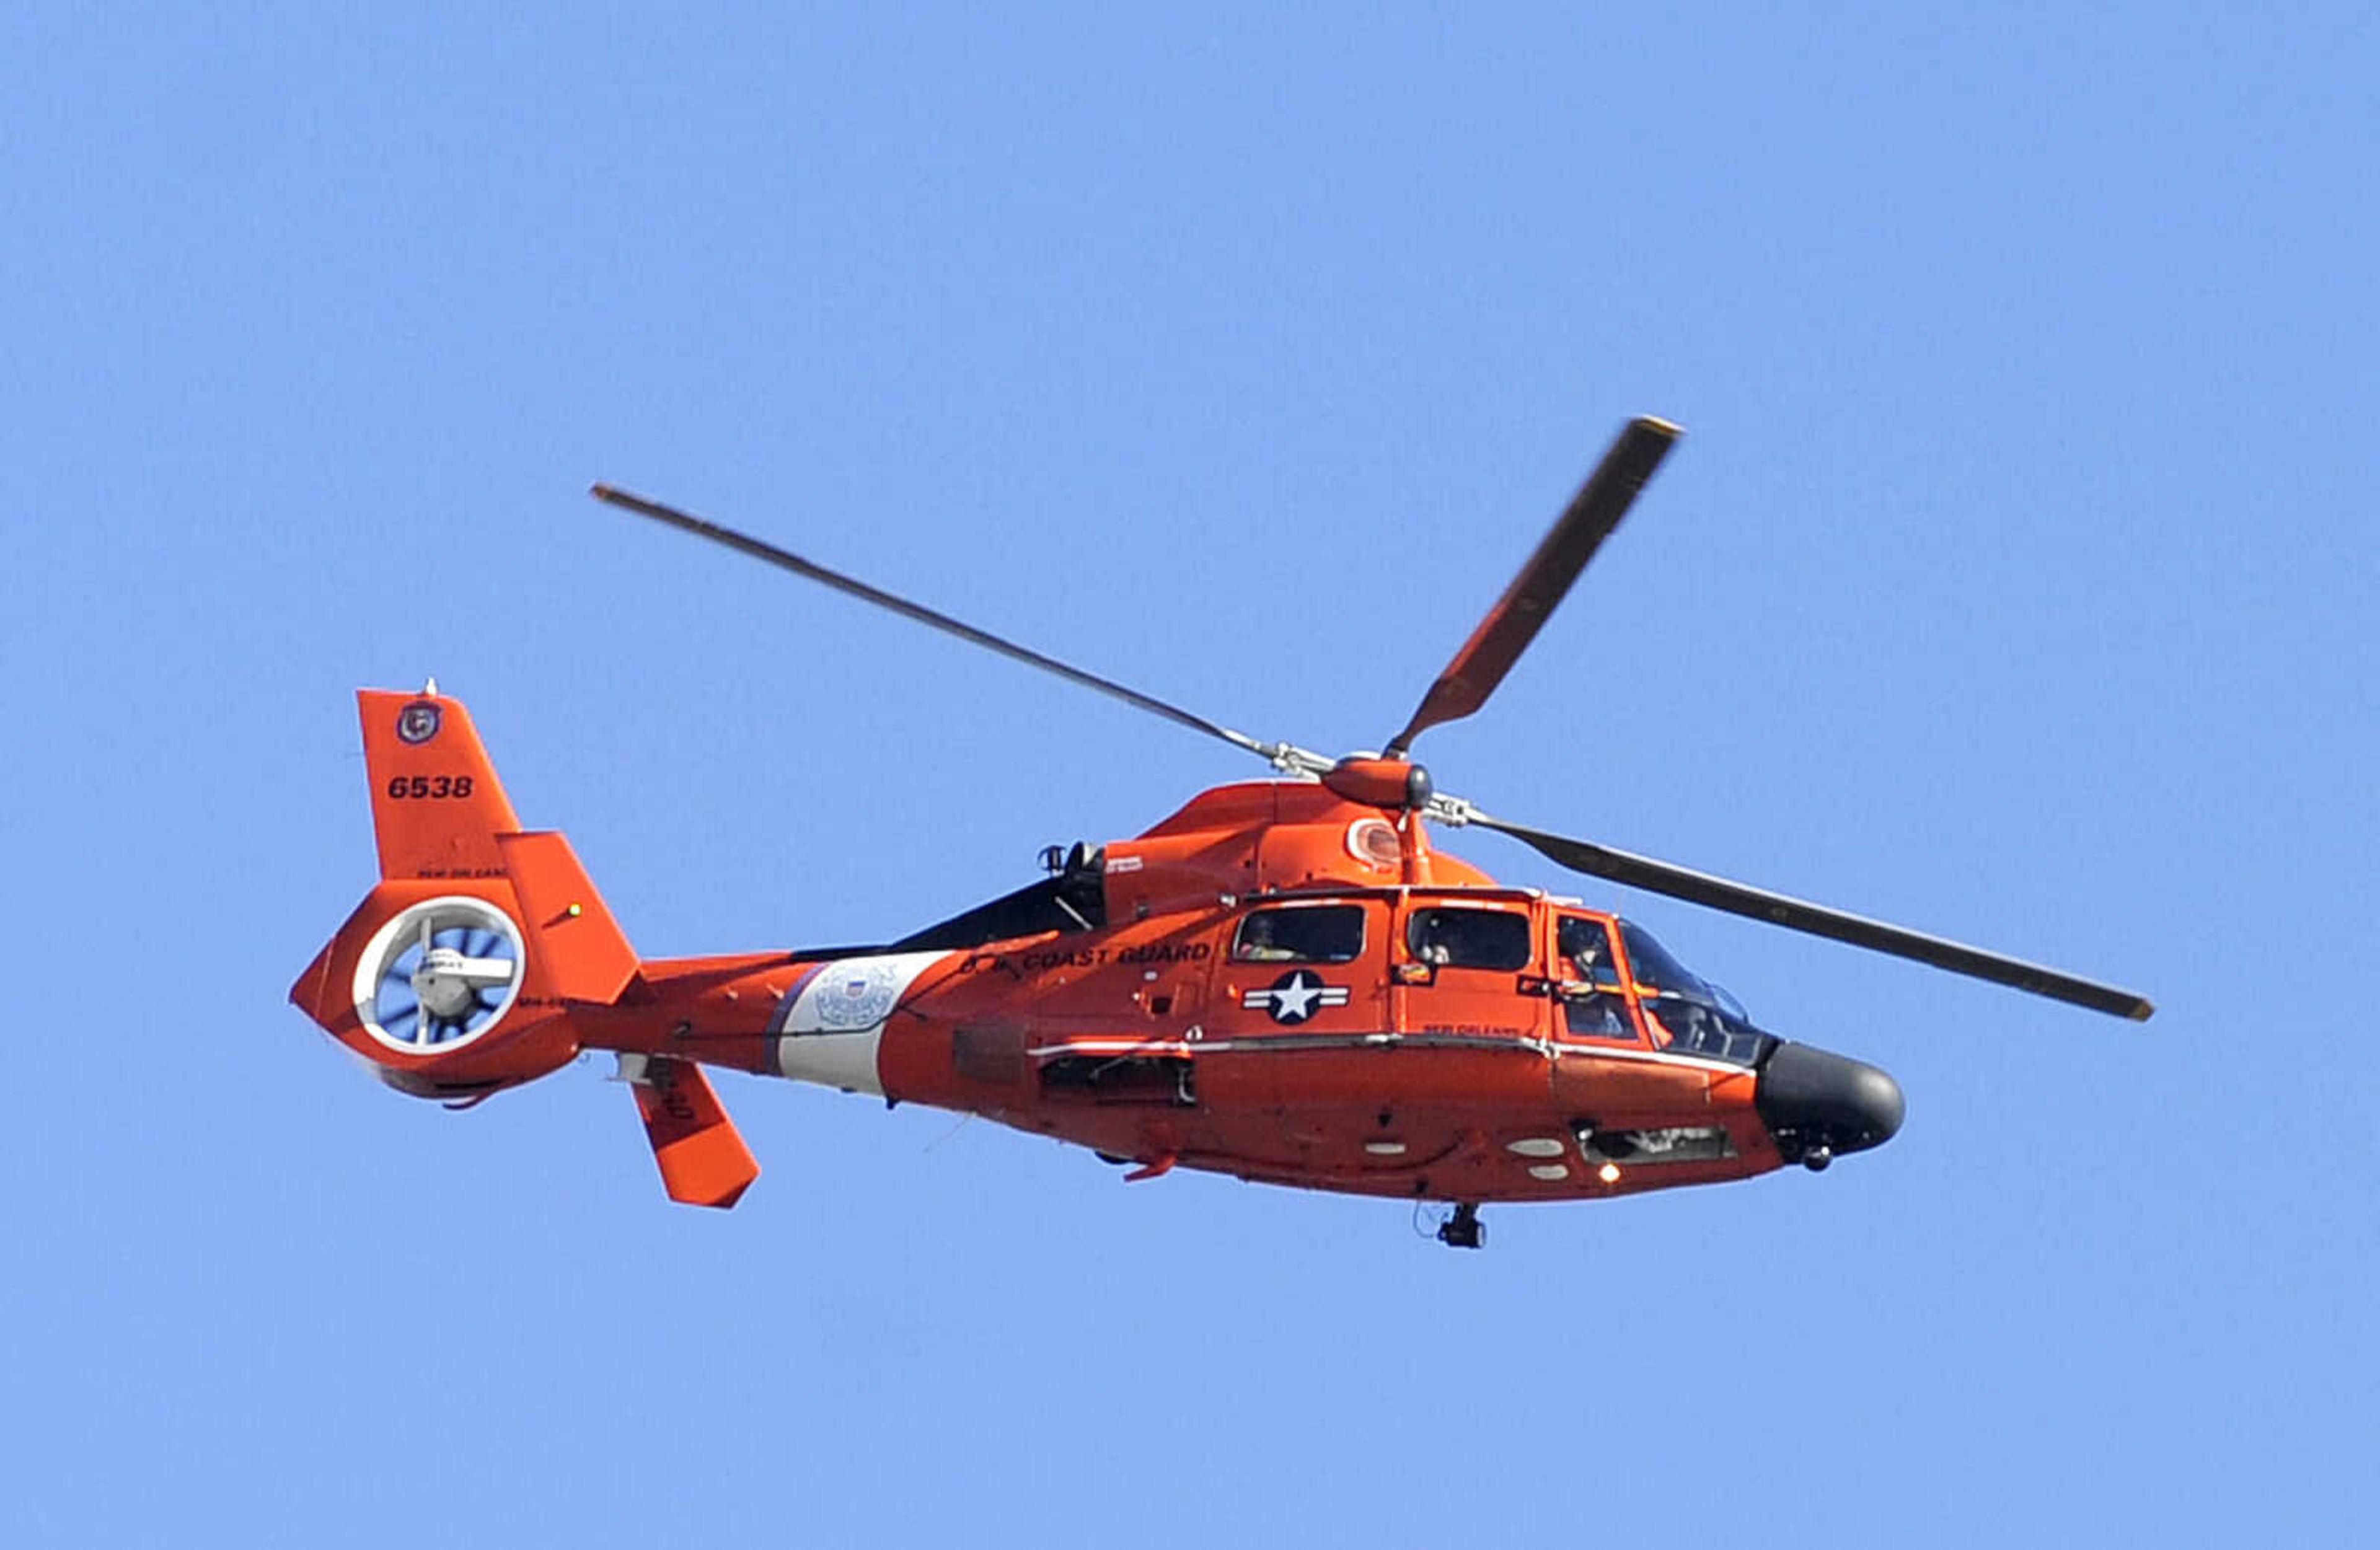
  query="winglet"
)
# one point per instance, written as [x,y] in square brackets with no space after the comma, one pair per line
[703,1161]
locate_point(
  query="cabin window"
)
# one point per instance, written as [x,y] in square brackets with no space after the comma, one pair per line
[1467,939]
[1308,934]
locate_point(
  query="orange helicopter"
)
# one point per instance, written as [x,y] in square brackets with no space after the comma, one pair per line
[1284,980]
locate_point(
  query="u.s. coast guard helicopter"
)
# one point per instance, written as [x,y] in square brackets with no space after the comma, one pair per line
[1284,980]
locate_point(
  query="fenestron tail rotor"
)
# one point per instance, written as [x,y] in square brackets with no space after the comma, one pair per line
[438,975]
[1477,667]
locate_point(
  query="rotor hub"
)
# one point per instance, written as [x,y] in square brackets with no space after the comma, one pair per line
[441,983]
[1395,784]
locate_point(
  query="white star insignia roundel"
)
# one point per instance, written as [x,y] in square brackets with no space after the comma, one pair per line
[1294,995]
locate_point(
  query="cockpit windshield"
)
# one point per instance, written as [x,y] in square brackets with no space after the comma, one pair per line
[1687,1014]
[1654,966]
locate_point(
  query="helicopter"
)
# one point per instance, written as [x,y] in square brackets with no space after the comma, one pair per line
[1284,980]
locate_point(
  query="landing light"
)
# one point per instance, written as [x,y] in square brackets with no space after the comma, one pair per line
[1608,1173]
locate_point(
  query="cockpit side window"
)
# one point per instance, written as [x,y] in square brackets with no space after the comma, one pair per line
[1585,947]
[1595,1004]
[1469,938]
[1301,933]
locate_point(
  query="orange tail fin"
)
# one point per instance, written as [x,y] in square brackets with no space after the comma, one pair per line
[437,805]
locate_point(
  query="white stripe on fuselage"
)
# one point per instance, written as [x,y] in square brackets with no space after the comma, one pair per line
[831,1030]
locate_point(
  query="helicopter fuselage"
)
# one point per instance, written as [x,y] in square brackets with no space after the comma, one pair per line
[1417,1031]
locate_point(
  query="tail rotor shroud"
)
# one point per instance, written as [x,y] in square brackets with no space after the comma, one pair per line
[439,974]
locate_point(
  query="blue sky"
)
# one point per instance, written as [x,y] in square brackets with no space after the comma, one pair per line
[2014,580]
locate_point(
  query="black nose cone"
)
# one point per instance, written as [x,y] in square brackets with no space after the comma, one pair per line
[1816,1103]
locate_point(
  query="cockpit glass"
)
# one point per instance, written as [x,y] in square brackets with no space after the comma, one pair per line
[1686,1014]
[1689,1027]
[1654,966]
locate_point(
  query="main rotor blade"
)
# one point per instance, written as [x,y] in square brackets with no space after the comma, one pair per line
[1509,628]
[782,559]
[1796,915]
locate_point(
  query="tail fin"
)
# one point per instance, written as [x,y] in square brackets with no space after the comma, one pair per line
[437,805]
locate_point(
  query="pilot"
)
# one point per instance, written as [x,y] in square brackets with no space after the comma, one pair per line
[1601,1012]
[1257,944]
[1585,945]
[1447,937]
